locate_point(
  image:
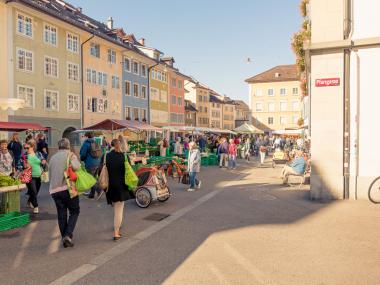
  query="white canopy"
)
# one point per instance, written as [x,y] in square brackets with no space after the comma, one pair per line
[247,129]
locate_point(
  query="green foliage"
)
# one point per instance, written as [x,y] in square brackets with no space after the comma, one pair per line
[8,181]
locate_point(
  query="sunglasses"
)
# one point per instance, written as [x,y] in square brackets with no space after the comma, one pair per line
[26,148]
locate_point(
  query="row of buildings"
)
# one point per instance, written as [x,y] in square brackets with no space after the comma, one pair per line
[73,71]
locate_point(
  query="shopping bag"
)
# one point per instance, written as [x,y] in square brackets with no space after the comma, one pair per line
[84,180]
[45,177]
[130,176]
[104,178]
[26,175]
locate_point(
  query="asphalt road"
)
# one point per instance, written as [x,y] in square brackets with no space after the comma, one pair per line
[242,227]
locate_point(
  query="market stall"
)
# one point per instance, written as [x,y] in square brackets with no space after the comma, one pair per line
[248,129]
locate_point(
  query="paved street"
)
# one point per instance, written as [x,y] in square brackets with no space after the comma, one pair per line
[243,227]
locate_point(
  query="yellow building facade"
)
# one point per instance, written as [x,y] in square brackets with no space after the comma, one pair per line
[228,114]
[275,98]
[159,101]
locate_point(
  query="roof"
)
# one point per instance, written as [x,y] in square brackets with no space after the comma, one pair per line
[20,127]
[276,74]
[215,99]
[242,104]
[113,125]
[190,106]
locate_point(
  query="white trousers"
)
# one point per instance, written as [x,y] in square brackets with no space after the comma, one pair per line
[262,157]
[118,209]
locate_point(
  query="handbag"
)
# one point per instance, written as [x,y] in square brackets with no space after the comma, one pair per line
[26,175]
[70,178]
[103,176]
[130,177]
[185,178]
[84,180]
[45,176]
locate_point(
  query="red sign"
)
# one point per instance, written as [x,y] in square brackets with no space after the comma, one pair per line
[326,82]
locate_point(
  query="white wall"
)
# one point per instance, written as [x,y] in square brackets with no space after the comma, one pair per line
[366,19]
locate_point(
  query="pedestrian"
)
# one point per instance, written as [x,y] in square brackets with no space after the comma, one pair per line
[178,149]
[223,152]
[247,149]
[163,143]
[42,146]
[6,159]
[15,148]
[232,153]
[194,166]
[124,144]
[297,167]
[202,144]
[36,162]
[59,191]
[117,189]
[91,154]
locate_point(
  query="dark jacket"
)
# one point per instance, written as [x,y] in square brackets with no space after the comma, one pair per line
[86,157]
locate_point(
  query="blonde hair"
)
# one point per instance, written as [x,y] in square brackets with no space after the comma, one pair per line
[32,143]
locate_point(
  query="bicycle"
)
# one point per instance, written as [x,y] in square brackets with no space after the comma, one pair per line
[374,191]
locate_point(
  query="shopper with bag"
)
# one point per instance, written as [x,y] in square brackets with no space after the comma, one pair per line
[15,148]
[61,190]
[117,191]
[194,166]
[6,160]
[35,162]
[91,154]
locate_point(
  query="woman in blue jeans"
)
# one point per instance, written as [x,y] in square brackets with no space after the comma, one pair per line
[193,166]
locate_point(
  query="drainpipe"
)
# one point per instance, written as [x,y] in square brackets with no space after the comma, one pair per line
[82,81]
[346,100]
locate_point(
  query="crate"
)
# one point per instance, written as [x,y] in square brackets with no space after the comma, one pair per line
[9,202]
[204,161]
[13,220]
[212,160]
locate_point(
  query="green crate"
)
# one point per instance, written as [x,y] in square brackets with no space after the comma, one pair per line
[204,161]
[13,220]
[213,160]
[10,202]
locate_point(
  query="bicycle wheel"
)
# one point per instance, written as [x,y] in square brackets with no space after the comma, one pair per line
[374,191]
[143,197]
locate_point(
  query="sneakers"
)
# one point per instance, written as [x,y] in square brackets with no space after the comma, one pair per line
[199,184]
[190,190]
[67,242]
[35,210]
[30,205]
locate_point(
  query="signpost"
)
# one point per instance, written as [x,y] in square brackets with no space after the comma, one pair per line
[327,82]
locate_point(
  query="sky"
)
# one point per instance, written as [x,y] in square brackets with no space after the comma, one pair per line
[209,39]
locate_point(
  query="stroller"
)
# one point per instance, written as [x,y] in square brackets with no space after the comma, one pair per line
[152,186]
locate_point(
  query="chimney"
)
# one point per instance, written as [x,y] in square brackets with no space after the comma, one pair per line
[142,41]
[110,23]
[79,9]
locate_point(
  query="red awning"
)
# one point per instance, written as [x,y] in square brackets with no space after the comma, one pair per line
[115,125]
[20,127]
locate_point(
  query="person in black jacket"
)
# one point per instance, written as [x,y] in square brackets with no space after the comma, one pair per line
[15,148]
[117,189]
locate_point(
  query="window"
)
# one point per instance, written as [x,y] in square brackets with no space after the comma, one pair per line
[51,66]
[174,82]
[270,92]
[72,103]
[105,105]
[271,107]
[50,35]
[127,88]
[72,43]
[143,114]
[295,119]
[200,109]
[128,113]
[115,82]
[88,75]
[282,92]
[270,120]
[72,71]
[143,70]
[283,106]
[205,109]
[295,105]
[259,92]
[111,56]
[163,96]
[135,66]
[24,25]
[143,92]
[295,91]
[180,101]
[89,103]
[180,84]
[200,97]
[95,50]
[94,105]
[283,120]
[100,78]
[154,94]
[26,93]
[135,90]
[154,74]
[51,100]
[136,114]
[127,64]
[24,60]
[174,100]
[101,105]
[259,107]
[93,76]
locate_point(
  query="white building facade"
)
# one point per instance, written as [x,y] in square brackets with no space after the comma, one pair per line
[343,79]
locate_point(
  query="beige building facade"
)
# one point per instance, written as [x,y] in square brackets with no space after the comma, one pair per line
[228,114]
[275,98]
[200,96]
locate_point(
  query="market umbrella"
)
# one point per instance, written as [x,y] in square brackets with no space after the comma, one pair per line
[247,129]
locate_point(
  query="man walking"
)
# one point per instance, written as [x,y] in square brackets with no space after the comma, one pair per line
[91,154]
[60,191]
[223,152]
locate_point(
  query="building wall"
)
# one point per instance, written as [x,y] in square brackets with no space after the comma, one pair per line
[177,107]
[159,104]
[130,100]
[281,119]
[203,107]
[6,68]
[91,90]
[61,118]
[228,116]
[191,118]
[216,115]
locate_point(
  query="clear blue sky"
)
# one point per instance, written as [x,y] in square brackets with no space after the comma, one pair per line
[209,39]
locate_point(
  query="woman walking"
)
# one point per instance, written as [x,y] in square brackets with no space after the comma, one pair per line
[194,166]
[247,149]
[117,190]
[36,163]
[232,153]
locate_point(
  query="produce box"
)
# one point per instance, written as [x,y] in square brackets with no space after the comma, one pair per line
[13,220]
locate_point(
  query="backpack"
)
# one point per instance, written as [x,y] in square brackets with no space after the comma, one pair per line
[95,150]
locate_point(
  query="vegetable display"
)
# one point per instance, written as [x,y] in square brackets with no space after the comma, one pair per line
[8,181]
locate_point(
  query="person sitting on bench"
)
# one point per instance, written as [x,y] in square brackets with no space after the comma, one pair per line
[297,167]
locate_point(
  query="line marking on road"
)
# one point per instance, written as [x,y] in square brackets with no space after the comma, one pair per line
[73,276]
